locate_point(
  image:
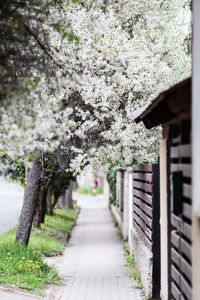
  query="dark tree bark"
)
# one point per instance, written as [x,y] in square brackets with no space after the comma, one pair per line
[68,196]
[40,208]
[29,203]
[55,200]
[49,203]
[44,206]
[37,211]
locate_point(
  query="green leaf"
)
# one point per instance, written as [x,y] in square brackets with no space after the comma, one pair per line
[67,33]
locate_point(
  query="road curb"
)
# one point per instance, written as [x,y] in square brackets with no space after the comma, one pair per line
[69,233]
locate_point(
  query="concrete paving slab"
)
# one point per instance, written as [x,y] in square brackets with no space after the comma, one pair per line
[93,264]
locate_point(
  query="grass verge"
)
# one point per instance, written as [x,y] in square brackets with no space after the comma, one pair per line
[88,191]
[134,273]
[24,267]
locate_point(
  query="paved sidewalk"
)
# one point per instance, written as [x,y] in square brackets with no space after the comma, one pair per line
[93,262]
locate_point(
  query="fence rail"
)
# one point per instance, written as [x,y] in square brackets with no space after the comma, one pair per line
[180,223]
[146,215]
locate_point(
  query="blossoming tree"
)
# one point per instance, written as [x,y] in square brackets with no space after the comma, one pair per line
[108,59]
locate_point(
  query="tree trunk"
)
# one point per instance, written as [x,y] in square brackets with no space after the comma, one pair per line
[55,200]
[44,205]
[49,203]
[61,201]
[39,209]
[29,204]
[68,196]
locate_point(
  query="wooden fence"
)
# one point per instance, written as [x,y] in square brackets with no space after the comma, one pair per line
[146,215]
[180,223]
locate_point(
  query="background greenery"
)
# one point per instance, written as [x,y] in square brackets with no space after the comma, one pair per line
[88,190]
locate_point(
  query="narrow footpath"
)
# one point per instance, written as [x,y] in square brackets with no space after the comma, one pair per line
[93,264]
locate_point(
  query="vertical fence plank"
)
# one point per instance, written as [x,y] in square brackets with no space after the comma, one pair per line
[146,216]
[156,231]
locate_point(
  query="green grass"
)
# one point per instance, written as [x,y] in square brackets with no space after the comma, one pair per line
[134,273]
[24,267]
[115,223]
[50,239]
[88,191]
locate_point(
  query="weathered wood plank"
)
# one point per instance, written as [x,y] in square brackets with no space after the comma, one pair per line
[145,197]
[181,226]
[144,238]
[186,248]
[142,186]
[174,152]
[186,229]
[186,288]
[143,226]
[180,151]
[187,190]
[175,239]
[143,216]
[187,210]
[142,168]
[175,275]
[185,150]
[143,176]
[176,292]
[182,264]
[147,209]
[176,221]
[186,268]
[185,168]
[176,258]
[176,140]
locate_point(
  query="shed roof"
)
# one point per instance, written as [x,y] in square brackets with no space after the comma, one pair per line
[170,106]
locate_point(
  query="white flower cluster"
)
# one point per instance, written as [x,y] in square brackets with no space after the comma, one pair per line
[127,53]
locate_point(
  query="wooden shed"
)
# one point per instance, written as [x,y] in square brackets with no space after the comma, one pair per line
[172,110]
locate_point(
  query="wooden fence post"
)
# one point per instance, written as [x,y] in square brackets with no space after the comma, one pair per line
[145,236]
[156,231]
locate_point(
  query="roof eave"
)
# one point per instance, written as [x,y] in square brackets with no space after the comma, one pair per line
[168,106]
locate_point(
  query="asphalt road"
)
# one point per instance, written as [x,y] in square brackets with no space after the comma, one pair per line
[11,197]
